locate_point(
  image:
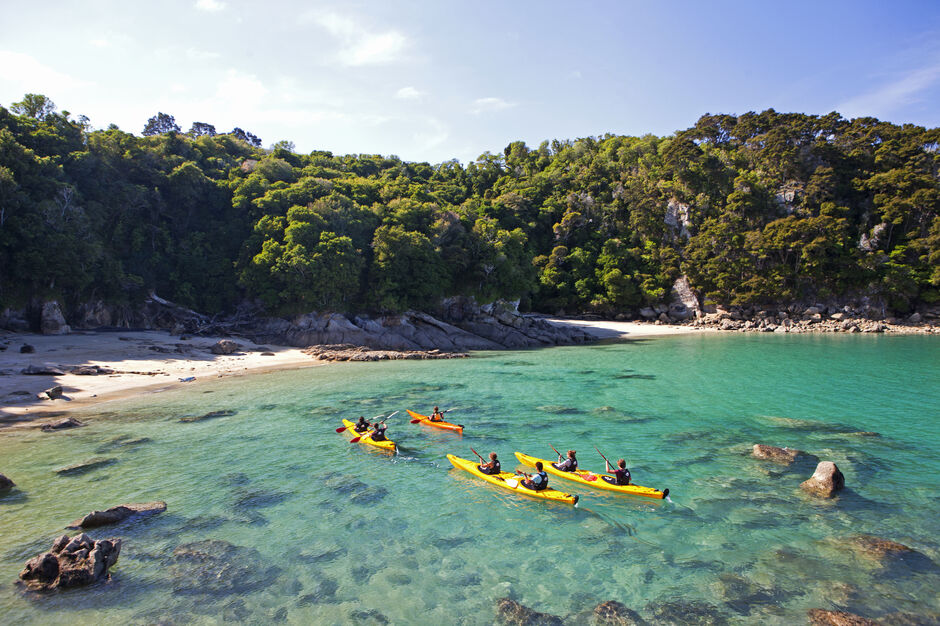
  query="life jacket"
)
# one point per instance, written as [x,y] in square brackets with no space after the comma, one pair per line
[542,484]
[361,428]
[379,433]
[622,476]
[496,469]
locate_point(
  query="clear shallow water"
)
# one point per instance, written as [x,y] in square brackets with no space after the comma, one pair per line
[335,533]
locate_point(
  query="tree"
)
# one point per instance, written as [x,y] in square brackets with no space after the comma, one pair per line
[245,136]
[34,105]
[201,129]
[160,124]
[283,144]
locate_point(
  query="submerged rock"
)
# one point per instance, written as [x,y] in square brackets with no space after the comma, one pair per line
[822,617]
[825,481]
[69,422]
[511,613]
[71,562]
[784,456]
[678,612]
[613,613]
[216,567]
[118,514]
[208,416]
[85,466]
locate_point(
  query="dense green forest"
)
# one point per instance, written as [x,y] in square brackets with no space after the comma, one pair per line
[757,208]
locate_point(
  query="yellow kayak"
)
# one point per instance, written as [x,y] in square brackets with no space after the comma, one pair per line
[590,479]
[508,480]
[366,437]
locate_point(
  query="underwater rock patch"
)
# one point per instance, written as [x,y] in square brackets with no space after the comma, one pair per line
[208,416]
[511,613]
[613,613]
[217,567]
[822,617]
[86,466]
[692,613]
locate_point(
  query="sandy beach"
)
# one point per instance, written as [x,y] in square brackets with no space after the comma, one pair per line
[150,361]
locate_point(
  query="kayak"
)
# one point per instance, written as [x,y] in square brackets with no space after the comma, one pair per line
[427,422]
[591,479]
[366,437]
[508,480]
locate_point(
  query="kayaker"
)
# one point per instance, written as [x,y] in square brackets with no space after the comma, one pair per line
[436,416]
[362,425]
[379,433]
[621,473]
[537,481]
[493,467]
[568,465]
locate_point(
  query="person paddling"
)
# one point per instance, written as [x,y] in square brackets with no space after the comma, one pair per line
[379,433]
[436,416]
[537,481]
[621,473]
[493,467]
[568,465]
[362,425]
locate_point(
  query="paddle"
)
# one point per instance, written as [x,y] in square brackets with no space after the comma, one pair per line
[556,451]
[602,456]
[482,460]
[356,439]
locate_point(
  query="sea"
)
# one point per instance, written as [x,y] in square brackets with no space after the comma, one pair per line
[274,517]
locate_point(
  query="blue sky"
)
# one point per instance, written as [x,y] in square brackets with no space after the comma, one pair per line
[431,80]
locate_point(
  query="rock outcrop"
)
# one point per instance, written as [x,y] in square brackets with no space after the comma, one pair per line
[6,484]
[71,562]
[346,352]
[613,613]
[52,393]
[822,617]
[69,422]
[511,613]
[225,346]
[825,481]
[118,514]
[52,322]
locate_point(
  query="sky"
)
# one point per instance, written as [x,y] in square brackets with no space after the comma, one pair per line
[433,80]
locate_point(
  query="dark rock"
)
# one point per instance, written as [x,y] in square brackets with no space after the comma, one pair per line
[371,616]
[822,617]
[52,321]
[86,466]
[118,514]
[71,562]
[784,456]
[680,613]
[210,415]
[27,349]
[6,484]
[511,613]
[69,422]
[216,567]
[225,346]
[825,481]
[41,370]
[267,354]
[90,370]
[52,393]
[613,613]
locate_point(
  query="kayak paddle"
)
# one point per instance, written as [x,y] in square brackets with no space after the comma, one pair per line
[342,428]
[478,455]
[356,439]
[556,451]
[602,456]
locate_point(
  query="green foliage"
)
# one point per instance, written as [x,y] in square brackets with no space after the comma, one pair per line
[759,208]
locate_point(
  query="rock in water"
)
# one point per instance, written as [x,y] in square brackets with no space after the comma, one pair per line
[821,617]
[825,481]
[786,456]
[85,467]
[225,346]
[69,422]
[71,563]
[613,613]
[118,514]
[213,567]
[6,484]
[511,613]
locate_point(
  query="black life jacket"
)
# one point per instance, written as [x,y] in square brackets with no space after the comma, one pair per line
[544,482]
[496,469]
[379,434]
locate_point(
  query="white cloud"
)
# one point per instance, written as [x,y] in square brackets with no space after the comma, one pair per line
[28,75]
[490,105]
[359,45]
[892,96]
[201,55]
[210,6]
[436,134]
[408,93]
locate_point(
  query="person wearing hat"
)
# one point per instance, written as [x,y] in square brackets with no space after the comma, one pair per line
[437,416]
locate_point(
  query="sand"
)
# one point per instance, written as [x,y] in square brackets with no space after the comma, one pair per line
[152,361]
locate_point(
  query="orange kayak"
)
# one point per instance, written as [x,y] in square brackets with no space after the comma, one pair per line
[457,428]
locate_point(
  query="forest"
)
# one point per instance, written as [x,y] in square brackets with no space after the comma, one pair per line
[757,208]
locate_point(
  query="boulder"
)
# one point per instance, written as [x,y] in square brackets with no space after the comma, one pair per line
[41,370]
[71,562]
[785,456]
[15,320]
[6,484]
[27,349]
[613,613]
[69,422]
[511,613]
[52,322]
[225,346]
[825,481]
[118,514]
[52,393]
[823,617]
[94,315]
[647,313]
[915,318]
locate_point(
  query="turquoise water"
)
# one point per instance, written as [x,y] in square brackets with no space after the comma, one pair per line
[331,532]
